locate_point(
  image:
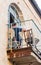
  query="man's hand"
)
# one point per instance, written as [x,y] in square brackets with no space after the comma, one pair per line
[24,30]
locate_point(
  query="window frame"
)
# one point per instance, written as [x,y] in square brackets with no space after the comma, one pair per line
[35,6]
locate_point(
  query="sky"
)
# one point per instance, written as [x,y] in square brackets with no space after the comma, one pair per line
[39,3]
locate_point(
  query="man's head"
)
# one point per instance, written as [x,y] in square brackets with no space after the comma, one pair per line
[14,24]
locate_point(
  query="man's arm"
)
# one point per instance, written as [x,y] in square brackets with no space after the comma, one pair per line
[22,29]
